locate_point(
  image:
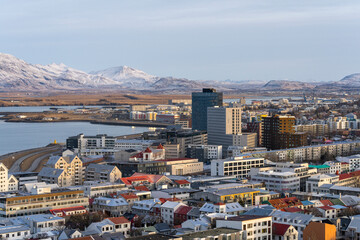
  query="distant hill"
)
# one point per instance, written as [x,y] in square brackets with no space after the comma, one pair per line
[288,85]
[18,75]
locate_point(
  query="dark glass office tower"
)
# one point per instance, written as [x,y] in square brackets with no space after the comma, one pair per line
[200,102]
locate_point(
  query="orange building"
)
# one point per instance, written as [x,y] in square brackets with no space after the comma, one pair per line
[319,231]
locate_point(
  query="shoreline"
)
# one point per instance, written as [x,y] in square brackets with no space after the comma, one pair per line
[104,122]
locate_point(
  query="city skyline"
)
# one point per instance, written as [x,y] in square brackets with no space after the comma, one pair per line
[212,40]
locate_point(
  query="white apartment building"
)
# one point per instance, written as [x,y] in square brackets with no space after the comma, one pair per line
[353,161]
[124,144]
[7,182]
[335,167]
[313,183]
[64,171]
[91,145]
[278,181]
[255,227]
[235,166]
[309,153]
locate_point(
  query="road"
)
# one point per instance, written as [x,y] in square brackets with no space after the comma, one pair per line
[16,165]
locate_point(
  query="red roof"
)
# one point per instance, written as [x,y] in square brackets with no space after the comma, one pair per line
[66,210]
[148,150]
[344,163]
[141,188]
[349,175]
[164,200]
[281,203]
[183,181]
[174,159]
[326,202]
[183,210]
[138,155]
[279,228]
[119,220]
[327,208]
[160,146]
[129,195]
[141,177]
[219,203]
[292,209]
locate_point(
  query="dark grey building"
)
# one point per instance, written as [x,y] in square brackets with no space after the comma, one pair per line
[200,102]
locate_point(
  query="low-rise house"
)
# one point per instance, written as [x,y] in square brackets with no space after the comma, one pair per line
[180,214]
[179,193]
[328,212]
[102,173]
[69,234]
[288,202]
[41,223]
[14,232]
[284,232]
[63,212]
[230,208]
[182,183]
[168,210]
[151,181]
[144,207]
[112,206]
[109,225]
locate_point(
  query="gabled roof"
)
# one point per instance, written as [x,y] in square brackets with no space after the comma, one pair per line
[118,220]
[147,150]
[307,203]
[183,210]
[160,146]
[129,196]
[141,188]
[337,202]
[101,167]
[182,181]
[50,172]
[326,202]
[281,203]
[292,209]
[279,228]
[326,208]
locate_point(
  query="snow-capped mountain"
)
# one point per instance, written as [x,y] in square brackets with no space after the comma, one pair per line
[16,74]
[127,77]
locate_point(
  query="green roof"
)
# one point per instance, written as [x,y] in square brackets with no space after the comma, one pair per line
[319,166]
[337,202]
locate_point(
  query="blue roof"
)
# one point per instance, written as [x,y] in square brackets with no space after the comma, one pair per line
[307,203]
[338,207]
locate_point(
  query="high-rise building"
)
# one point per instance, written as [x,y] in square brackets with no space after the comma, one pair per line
[223,123]
[200,102]
[224,128]
[278,132]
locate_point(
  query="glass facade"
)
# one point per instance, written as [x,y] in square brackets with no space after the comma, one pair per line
[200,102]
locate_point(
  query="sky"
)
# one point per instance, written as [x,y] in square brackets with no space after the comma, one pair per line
[303,40]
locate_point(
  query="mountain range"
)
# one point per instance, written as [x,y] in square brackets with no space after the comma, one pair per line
[18,75]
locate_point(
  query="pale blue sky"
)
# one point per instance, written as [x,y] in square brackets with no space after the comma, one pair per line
[196,39]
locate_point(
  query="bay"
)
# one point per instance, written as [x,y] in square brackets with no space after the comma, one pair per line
[21,136]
